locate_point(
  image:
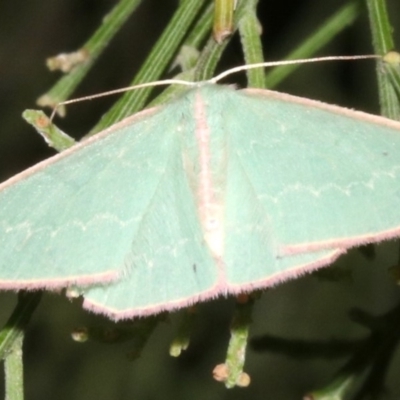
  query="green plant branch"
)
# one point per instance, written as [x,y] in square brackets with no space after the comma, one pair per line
[250,31]
[182,337]
[111,23]
[208,60]
[194,40]
[381,29]
[188,61]
[201,29]
[27,303]
[327,31]
[156,63]
[223,19]
[14,373]
[391,66]
[336,391]
[231,372]
[382,40]
[212,51]
[11,341]
[52,135]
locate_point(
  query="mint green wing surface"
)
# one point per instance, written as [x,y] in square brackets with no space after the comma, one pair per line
[81,216]
[314,178]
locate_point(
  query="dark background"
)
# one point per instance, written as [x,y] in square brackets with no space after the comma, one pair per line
[308,308]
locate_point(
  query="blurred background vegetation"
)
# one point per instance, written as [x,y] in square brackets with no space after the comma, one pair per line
[315,309]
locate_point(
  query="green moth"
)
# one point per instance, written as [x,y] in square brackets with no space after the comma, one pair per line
[217,192]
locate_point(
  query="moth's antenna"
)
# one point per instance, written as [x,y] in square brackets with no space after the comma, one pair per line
[122,90]
[288,62]
[212,80]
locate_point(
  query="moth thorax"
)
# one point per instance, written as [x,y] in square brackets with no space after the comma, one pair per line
[213,229]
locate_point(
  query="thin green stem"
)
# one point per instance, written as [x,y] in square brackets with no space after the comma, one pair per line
[383,42]
[202,28]
[14,372]
[392,68]
[111,23]
[250,31]
[53,136]
[328,30]
[155,64]
[27,303]
[182,337]
[188,56]
[190,49]
[212,51]
[382,38]
[11,340]
[392,65]
[223,19]
[236,353]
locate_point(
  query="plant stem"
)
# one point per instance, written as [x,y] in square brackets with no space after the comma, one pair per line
[93,47]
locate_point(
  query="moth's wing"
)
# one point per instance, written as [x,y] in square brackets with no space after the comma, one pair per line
[78,218]
[249,255]
[314,180]
[170,265]
[252,249]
